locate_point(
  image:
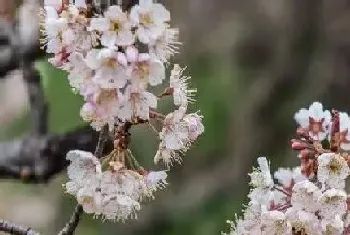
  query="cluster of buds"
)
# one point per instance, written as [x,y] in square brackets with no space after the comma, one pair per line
[310,199]
[114,59]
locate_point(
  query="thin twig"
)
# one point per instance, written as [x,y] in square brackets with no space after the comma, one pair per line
[11,228]
[101,141]
[73,222]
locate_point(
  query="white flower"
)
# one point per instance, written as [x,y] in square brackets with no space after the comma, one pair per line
[332,170]
[115,28]
[195,126]
[102,108]
[79,72]
[175,134]
[120,207]
[168,156]
[90,197]
[315,120]
[305,195]
[332,202]
[150,20]
[250,224]
[109,66]
[287,177]
[261,196]
[145,69]
[334,226]
[138,105]
[84,167]
[166,45]
[179,83]
[344,129]
[156,180]
[273,222]
[261,177]
[302,222]
[54,29]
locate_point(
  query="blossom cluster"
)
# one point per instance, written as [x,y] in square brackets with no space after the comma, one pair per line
[112,194]
[310,199]
[115,59]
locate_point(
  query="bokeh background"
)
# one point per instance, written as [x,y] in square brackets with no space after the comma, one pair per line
[255,63]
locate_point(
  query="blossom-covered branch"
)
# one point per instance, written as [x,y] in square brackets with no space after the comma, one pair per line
[310,199]
[113,59]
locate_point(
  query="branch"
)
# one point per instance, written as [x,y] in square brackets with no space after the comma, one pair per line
[20,42]
[37,159]
[38,105]
[73,222]
[12,228]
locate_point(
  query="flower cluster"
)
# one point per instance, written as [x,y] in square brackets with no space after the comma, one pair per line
[114,60]
[310,199]
[114,194]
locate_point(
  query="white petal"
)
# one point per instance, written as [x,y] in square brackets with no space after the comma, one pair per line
[157,73]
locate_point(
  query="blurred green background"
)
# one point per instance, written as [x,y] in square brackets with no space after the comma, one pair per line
[254,63]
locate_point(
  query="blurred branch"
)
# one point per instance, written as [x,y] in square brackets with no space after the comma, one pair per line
[38,159]
[38,106]
[12,228]
[19,41]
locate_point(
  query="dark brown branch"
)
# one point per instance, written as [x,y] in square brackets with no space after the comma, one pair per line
[38,106]
[37,159]
[11,228]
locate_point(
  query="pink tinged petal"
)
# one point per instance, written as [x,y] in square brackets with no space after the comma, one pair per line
[57,4]
[160,13]
[92,60]
[134,15]
[157,73]
[316,111]
[109,39]
[68,37]
[132,54]
[173,142]
[121,58]
[113,12]
[144,35]
[99,24]
[80,3]
[144,57]
[51,12]
[345,146]
[125,38]
[344,121]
